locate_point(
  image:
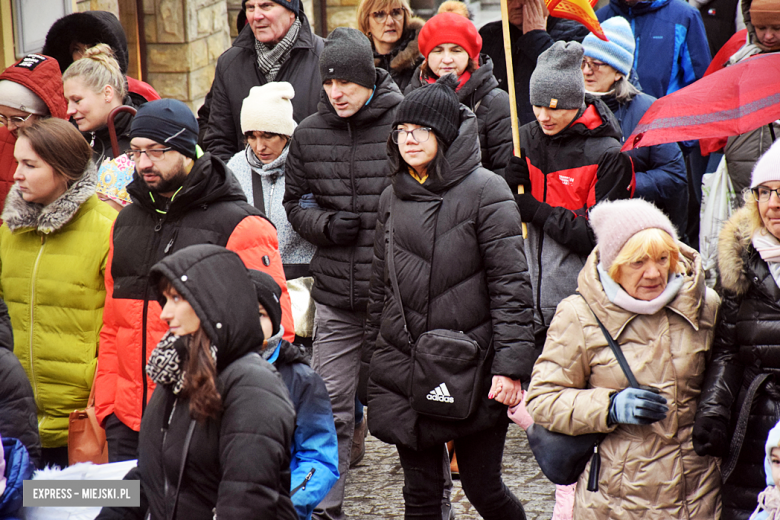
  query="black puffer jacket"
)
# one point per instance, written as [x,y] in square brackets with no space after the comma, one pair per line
[460,264]
[237,72]
[746,346]
[18,414]
[343,162]
[491,104]
[237,465]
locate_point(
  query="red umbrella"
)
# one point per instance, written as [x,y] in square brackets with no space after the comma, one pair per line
[732,101]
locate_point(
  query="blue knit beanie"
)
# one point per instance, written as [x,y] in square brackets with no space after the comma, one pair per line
[169,122]
[618,52]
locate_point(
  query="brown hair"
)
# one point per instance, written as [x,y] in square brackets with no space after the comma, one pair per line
[366,7]
[60,145]
[200,375]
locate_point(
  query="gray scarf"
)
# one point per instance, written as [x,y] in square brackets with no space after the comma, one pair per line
[271,58]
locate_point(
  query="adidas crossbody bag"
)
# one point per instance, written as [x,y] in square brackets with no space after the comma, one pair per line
[446,373]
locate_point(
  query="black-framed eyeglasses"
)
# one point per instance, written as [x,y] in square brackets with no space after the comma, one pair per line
[594,65]
[762,193]
[154,154]
[420,135]
[16,120]
[381,16]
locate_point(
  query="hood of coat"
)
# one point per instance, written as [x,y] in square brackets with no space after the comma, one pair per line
[386,97]
[44,80]
[20,214]
[215,282]
[479,84]
[688,303]
[738,261]
[640,8]
[596,120]
[407,55]
[90,28]
[209,181]
[463,157]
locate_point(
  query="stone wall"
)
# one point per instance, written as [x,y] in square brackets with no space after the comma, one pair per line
[341,13]
[98,5]
[184,38]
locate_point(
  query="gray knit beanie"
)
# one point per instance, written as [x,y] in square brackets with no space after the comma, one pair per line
[348,56]
[557,79]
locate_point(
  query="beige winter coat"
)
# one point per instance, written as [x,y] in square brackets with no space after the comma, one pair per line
[647,472]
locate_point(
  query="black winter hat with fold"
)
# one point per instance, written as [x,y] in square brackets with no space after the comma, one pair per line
[168,122]
[268,295]
[435,105]
[348,56]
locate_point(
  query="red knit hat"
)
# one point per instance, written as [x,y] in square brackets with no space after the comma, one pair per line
[450,28]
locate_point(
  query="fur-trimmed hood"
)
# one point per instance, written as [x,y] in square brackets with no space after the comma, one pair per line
[733,248]
[19,214]
[409,56]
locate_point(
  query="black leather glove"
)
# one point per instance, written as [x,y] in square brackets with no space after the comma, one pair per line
[343,228]
[516,173]
[527,205]
[710,436]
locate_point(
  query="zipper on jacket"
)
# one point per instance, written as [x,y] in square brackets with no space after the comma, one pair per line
[32,317]
[354,204]
[302,485]
[539,262]
[144,319]
[164,429]
[433,250]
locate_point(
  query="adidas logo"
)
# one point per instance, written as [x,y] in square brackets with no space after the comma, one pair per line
[441,394]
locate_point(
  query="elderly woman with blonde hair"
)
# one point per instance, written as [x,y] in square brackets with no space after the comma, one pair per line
[393,32]
[741,397]
[647,289]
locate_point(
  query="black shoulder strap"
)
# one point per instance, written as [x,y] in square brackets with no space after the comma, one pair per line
[615,350]
[257,191]
[184,451]
[390,256]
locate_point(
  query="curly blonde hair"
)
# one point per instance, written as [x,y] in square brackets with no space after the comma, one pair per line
[97,69]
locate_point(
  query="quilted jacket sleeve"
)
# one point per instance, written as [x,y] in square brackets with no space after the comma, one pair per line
[220,137]
[558,397]
[498,133]
[254,448]
[499,234]
[106,379]
[310,223]
[725,371]
[660,171]
[255,241]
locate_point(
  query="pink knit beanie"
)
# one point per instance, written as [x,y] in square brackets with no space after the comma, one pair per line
[767,168]
[615,222]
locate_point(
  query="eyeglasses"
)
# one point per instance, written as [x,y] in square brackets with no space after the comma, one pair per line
[420,135]
[381,16]
[762,193]
[594,65]
[154,155]
[16,120]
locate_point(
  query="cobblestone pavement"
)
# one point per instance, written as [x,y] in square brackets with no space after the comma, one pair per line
[374,487]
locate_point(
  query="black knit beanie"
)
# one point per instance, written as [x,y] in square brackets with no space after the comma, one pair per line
[348,56]
[435,105]
[292,5]
[268,295]
[169,122]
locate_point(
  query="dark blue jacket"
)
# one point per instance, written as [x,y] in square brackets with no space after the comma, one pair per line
[18,468]
[660,169]
[314,445]
[671,45]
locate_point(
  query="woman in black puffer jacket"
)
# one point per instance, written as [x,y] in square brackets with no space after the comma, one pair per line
[740,399]
[217,401]
[451,44]
[459,258]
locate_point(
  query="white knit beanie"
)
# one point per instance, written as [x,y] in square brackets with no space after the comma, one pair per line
[615,222]
[267,108]
[767,168]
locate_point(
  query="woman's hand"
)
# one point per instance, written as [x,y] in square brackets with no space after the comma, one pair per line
[535,15]
[506,390]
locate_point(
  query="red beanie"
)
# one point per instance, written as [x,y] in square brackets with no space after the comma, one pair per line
[450,28]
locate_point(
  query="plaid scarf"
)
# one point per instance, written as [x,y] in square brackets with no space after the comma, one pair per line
[271,58]
[166,362]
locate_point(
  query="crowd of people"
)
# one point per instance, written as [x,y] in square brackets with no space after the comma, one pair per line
[346,223]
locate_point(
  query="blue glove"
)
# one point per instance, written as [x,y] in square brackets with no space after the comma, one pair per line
[308,201]
[636,406]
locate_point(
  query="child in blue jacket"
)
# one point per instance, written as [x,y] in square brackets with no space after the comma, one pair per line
[315,457]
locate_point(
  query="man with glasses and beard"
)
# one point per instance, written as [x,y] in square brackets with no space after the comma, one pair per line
[181,197]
